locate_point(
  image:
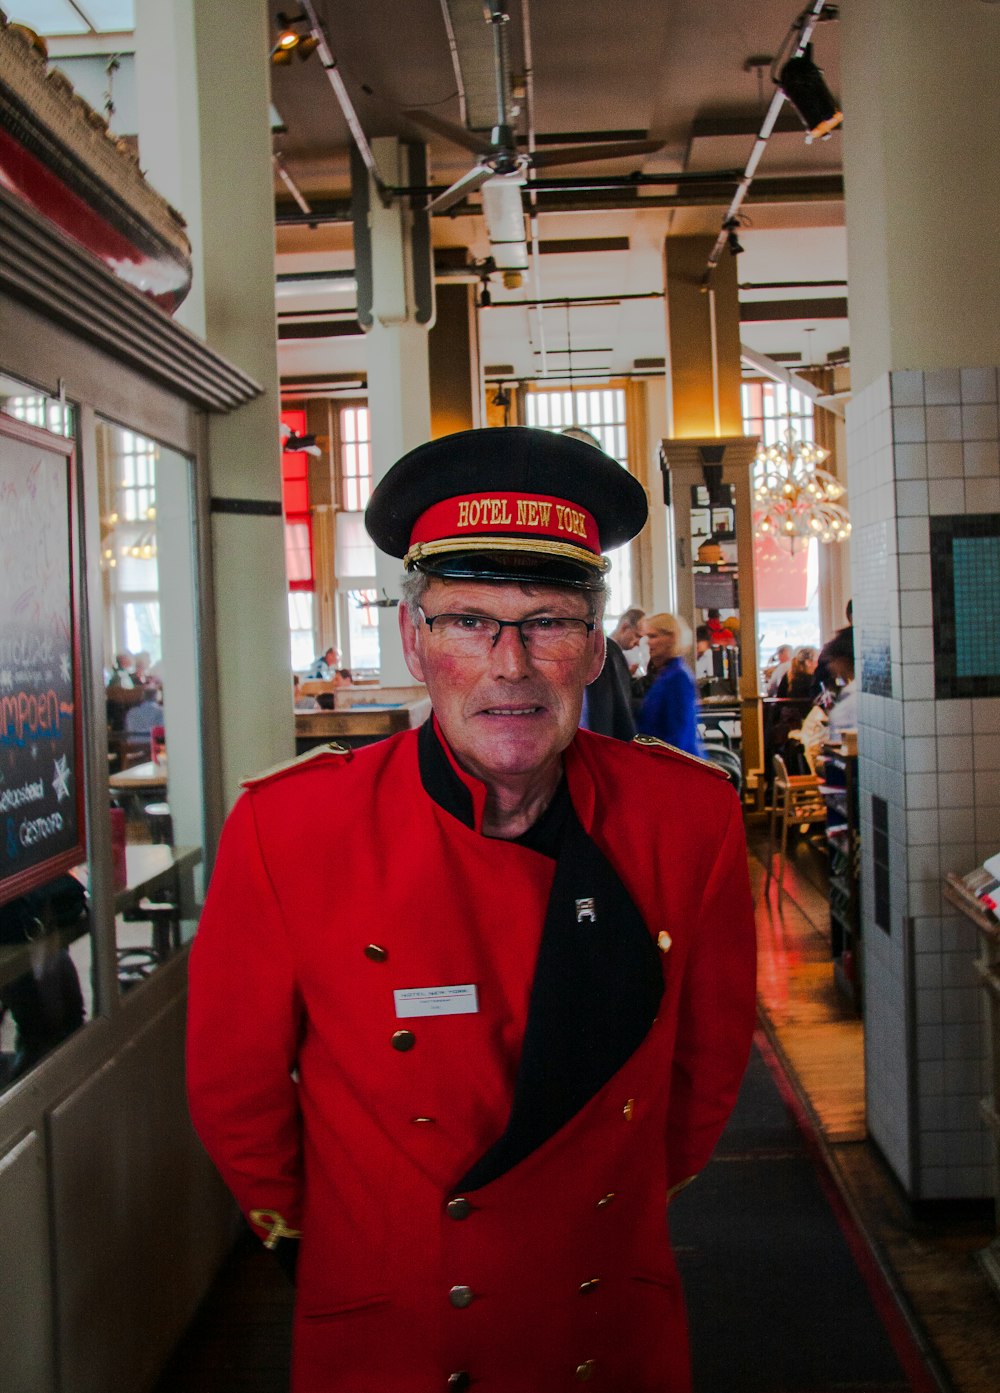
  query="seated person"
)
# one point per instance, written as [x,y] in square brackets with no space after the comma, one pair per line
[777,668]
[140,720]
[325,666]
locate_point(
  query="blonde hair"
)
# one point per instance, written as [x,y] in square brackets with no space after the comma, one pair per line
[671,623]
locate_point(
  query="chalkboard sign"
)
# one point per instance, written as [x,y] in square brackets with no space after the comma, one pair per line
[41,785]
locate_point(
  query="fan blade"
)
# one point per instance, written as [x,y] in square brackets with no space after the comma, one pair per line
[474,179]
[458,135]
[584,154]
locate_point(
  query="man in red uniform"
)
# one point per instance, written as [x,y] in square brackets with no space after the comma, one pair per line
[469,1005]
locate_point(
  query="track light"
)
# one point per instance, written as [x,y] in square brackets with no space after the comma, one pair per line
[803,85]
[732,241]
[290,41]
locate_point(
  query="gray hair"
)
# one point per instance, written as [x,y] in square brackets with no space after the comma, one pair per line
[413,588]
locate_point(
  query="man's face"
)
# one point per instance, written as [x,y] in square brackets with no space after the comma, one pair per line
[504,713]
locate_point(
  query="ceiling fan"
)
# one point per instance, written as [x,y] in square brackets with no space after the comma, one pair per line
[499,153]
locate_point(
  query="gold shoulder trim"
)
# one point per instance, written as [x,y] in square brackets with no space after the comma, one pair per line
[488,542]
[681,1184]
[331,747]
[652,743]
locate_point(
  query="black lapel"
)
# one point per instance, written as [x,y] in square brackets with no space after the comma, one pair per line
[596,992]
[439,778]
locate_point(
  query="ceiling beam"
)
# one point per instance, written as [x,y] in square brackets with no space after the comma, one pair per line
[778,373]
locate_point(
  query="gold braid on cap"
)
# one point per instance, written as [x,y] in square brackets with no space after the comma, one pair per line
[522,544]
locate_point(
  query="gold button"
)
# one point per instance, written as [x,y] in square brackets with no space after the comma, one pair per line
[458,1208]
[461,1296]
[422,1119]
[403,1040]
[628,1109]
[605,1200]
[585,1370]
[461,1380]
[590,1285]
[376,952]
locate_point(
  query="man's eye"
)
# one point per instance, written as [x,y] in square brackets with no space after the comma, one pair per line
[549,624]
[467,623]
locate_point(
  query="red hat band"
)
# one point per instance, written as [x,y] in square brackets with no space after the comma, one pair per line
[479,518]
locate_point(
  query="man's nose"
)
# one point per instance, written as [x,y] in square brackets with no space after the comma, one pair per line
[509,655]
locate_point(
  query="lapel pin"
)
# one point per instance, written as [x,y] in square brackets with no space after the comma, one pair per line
[664,941]
[585,910]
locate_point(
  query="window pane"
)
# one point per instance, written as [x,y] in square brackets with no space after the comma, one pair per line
[149,590]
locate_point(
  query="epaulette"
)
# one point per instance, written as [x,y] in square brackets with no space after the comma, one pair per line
[650,742]
[329,750]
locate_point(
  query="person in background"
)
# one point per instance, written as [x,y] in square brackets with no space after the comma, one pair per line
[837,657]
[122,672]
[797,681]
[630,641]
[607,701]
[325,666]
[140,720]
[467,1083]
[670,707]
[775,670]
[704,659]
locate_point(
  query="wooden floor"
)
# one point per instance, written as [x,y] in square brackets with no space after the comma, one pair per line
[930,1264]
[239,1342]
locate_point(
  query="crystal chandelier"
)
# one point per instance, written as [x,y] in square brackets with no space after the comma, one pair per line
[794,497]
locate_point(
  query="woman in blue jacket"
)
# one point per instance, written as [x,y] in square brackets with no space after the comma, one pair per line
[670,708]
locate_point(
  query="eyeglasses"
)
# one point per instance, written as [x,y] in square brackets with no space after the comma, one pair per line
[548,638]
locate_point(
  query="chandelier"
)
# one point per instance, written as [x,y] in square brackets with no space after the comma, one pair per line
[794,497]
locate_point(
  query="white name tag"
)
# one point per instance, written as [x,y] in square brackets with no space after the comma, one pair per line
[436,1001]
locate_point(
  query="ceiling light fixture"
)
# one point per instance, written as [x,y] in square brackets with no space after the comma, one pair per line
[732,241]
[290,41]
[794,497]
[504,219]
[803,85]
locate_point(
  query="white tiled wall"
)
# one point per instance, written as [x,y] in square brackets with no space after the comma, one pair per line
[921,444]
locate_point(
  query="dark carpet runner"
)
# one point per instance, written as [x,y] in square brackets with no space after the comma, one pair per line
[783,1293]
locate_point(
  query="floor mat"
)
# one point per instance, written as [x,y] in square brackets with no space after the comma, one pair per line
[783,1293]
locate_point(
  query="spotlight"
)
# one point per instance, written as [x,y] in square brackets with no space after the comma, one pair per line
[732,241]
[803,85]
[485,298]
[290,41]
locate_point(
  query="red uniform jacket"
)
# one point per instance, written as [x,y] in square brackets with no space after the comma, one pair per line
[615,994]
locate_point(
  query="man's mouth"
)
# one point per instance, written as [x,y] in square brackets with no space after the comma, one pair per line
[512,710]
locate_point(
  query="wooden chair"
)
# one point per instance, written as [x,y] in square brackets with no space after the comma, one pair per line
[796,800]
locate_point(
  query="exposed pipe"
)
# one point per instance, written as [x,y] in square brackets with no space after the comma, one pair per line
[289,183]
[529,104]
[809,19]
[329,63]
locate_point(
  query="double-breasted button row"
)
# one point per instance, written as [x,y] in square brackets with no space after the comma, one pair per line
[377,953]
[458,1208]
[461,1296]
[459,1380]
[585,1370]
[403,1040]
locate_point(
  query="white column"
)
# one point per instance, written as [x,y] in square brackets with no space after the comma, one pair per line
[399,390]
[205,142]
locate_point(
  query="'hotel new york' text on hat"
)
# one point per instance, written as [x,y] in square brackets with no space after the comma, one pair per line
[507,503]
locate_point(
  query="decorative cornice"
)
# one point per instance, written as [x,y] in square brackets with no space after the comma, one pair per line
[43,268]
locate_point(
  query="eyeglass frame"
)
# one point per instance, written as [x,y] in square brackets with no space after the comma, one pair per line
[430,620]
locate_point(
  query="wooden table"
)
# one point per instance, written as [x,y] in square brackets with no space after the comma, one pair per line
[358,725]
[150,871]
[138,778]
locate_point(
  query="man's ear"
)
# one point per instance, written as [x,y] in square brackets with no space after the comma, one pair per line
[408,634]
[600,653]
